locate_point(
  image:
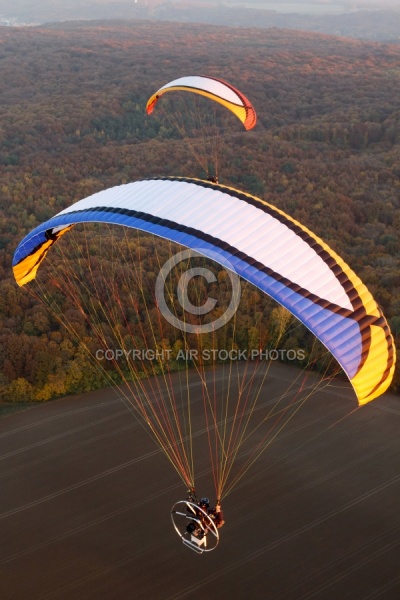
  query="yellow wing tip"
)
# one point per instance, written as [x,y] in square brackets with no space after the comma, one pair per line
[22,276]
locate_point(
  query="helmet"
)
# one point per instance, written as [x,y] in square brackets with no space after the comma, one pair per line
[204,502]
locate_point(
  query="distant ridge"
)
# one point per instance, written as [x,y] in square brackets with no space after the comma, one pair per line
[374,25]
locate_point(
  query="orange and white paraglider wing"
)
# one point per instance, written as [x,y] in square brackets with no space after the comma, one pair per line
[214,89]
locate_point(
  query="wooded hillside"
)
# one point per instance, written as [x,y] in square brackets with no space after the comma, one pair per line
[325,150]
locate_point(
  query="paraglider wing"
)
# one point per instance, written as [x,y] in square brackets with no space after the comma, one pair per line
[266,247]
[216,90]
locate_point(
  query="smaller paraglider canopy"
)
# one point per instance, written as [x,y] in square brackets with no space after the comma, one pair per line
[214,89]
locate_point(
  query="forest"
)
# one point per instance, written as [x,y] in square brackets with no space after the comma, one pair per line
[325,150]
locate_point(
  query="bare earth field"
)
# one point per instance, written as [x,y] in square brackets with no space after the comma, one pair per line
[86,495]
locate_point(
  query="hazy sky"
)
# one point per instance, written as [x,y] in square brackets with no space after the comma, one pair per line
[377,4]
[32,11]
[14,5]
[347,4]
